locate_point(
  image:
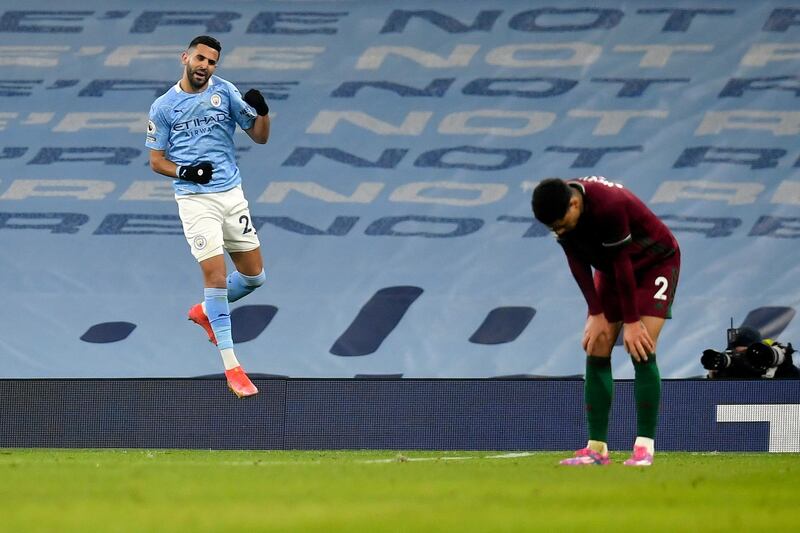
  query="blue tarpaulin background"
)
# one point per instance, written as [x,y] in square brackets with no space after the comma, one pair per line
[392,200]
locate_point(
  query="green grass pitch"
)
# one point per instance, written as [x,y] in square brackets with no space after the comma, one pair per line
[180,490]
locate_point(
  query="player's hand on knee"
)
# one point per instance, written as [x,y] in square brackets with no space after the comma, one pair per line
[200,173]
[637,340]
[256,99]
[596,331]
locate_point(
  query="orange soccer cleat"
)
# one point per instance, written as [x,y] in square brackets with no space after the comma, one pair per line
[239,383]
[198,316]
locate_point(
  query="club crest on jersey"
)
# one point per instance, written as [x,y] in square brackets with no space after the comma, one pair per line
[216,100]
[200,242]
[151,127]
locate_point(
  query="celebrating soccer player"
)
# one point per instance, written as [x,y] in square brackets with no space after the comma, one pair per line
[636,261]
[190,136]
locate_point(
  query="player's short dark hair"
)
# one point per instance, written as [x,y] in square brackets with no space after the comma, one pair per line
[208,41]
[550,200]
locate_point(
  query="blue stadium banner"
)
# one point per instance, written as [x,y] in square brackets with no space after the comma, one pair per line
[393,198]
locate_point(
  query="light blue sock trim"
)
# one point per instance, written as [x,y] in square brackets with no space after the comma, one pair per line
[240,285]
[219,315]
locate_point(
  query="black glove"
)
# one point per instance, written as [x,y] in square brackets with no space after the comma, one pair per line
[200,173]
[256,99]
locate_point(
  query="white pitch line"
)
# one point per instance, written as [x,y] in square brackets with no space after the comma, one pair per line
[161,459]
[404,459]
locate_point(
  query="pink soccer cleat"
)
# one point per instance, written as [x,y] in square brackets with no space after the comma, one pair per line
[239,383]
[640,457]
[198,316]
[587,456]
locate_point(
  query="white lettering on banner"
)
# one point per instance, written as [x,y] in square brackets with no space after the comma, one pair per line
[90,50]
[455,123]
[783,419]
[778,122]
[273,57]
[254,57]
[5,117]
[412,192]
[731,193]
[534,121]
[35,119]
[760,54]
[413,124]
[277,191]
[788,193]
[125,55]
[31,56]
[134,122]
[150,191]
[373,57]
[658,55]
[581,54]
[612,122]
[80,189]
[577,54]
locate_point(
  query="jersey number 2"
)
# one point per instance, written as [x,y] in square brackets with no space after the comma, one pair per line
[246,221]
[662,284]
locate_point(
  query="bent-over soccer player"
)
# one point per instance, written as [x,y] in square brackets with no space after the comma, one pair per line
[636,261]
[190,135]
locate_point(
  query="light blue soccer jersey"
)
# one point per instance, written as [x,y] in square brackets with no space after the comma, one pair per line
[195,127]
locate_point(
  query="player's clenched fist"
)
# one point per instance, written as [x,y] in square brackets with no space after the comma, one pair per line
[256,99]
[200,173]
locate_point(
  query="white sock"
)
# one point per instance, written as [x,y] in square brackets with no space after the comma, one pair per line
[650,444]
[229,358]
[598,446]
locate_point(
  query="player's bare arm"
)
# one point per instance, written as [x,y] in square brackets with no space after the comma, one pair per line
[259,132]
[160,164]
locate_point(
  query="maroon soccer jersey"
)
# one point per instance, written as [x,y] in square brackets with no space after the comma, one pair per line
[618,235]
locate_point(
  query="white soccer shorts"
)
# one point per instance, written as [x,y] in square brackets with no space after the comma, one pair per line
[213,221]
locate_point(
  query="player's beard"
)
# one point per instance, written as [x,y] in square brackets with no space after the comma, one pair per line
[192,80]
